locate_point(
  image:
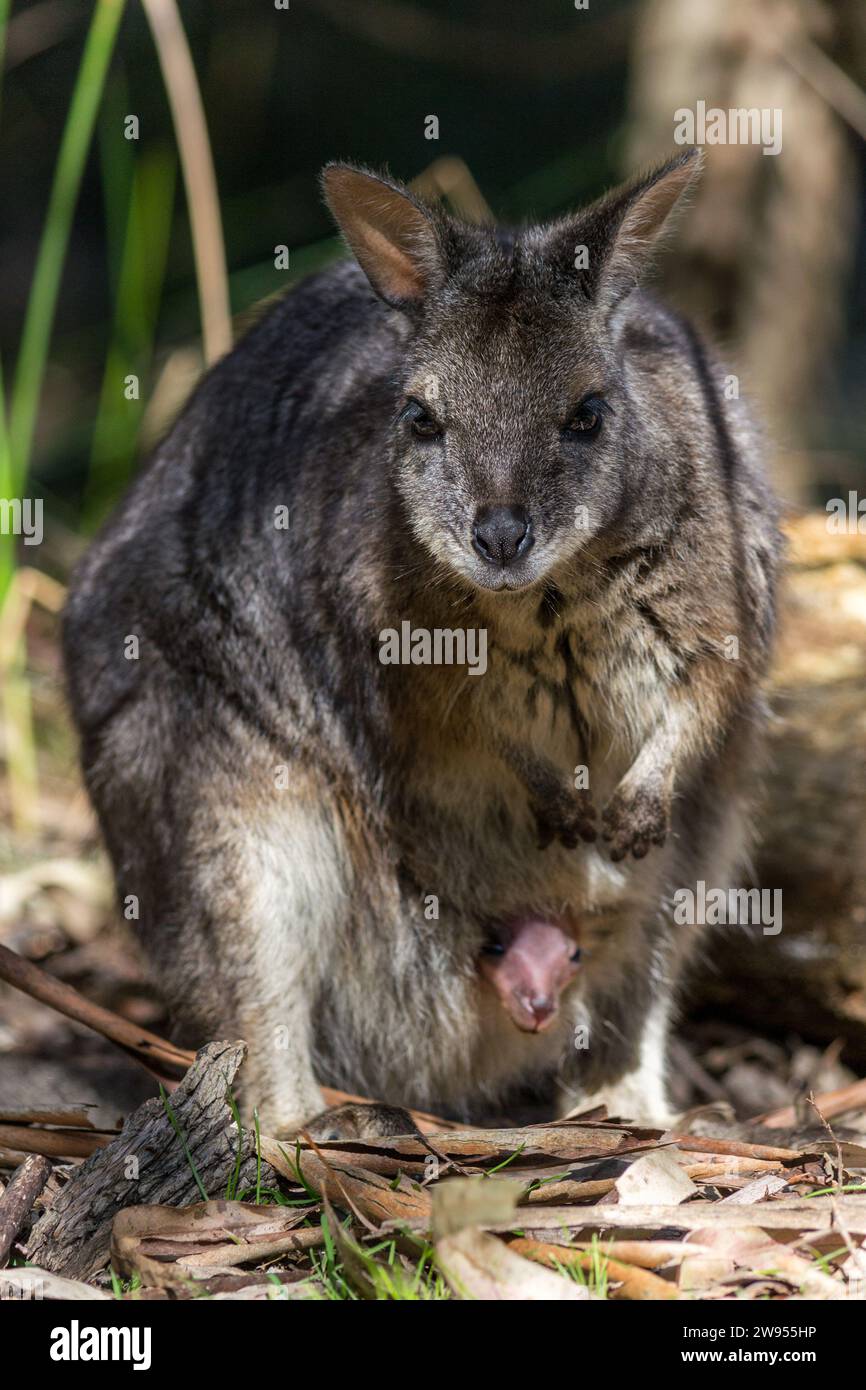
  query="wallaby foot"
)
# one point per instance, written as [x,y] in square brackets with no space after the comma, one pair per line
[358,1120]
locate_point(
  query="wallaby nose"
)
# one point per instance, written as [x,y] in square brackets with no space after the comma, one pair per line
[542,1009]
[501,534]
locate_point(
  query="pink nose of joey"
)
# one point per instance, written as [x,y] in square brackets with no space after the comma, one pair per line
[538,1010]
[529,962]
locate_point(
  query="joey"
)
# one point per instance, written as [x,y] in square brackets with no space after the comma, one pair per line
[529,962]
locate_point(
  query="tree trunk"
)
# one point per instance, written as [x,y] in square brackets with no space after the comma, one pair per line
[150,1163]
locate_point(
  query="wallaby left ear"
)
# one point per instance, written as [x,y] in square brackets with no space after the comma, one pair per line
[393,237]
[620,230]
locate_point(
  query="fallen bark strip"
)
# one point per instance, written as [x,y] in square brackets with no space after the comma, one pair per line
[560,1142]
[309,1238]
[590,1141]
[732,1148]
[42,1284]
[54,1143]
[556,1187]
[566,1141]
[795,1215]
[830,1103]
[349,1186]
[17,1201]
[711,1168]
[148,1163]
[570,1191]
[68,1119]
[168,1246]
[634,1282]
[649,1254]
[12,1158]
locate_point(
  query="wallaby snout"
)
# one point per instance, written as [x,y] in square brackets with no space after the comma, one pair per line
[501,534]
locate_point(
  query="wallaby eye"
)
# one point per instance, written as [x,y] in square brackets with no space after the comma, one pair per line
[493,948]
[577,955]
[587,419]
[422,422]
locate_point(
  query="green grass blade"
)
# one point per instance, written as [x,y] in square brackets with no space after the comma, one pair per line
[42,301]
[137,300]
[7,543]
[116,168]
[187,1153]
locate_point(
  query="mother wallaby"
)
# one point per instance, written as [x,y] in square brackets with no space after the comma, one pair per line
[464,540]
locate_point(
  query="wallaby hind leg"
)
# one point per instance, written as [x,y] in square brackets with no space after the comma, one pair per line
[240,933]
[621,1015]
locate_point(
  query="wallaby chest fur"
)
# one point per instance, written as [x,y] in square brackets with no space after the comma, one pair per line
[316,840]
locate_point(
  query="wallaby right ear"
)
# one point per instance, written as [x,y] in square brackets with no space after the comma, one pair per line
[620,229]
[393,237]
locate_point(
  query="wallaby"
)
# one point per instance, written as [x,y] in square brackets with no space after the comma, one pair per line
[468,439]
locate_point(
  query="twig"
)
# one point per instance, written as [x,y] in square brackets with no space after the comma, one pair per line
[857,1253]
[17,1201]
[830,1103]
[840,1167]
[26,587]
[12,1158]
[53,1143]
[66,1119]
[736,1148]
[634,1282]
[190,127]
[160,1057]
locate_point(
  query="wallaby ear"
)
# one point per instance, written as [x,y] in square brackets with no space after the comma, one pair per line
[393,237]
[620,230]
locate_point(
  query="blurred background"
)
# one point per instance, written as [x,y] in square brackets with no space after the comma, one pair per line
[546,106]
[159,164]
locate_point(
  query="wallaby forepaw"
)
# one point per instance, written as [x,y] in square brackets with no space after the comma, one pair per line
[634,821]
[568,818]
